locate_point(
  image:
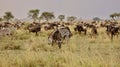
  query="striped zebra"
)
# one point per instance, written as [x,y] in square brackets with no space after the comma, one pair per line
[59,35]
[65,33]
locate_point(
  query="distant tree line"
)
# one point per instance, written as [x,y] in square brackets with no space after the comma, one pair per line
[7,16]
[115,16]
[35,15]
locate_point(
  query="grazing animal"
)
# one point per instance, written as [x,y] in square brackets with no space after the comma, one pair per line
[94,32]
[80,29]
[55,37]
[1,26]
[34,27]
[65,33]
[50,26]
[7,31]
[18,25]
[112,31]
[59,35]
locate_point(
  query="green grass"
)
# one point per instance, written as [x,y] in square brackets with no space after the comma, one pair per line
[28,50]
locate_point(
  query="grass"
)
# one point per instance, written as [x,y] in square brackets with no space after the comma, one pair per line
[28,50]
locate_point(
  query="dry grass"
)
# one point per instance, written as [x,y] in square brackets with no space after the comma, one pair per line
[28,50]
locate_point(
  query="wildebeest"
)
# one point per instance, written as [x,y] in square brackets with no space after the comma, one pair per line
[50,26]
[11,31]
[80,29]
[94,31]
[1,26]
[34,27]
[112,31]
[59,35]
[18,25]
[7,29]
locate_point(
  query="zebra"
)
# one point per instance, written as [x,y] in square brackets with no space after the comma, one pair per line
[59,35]
[65,33]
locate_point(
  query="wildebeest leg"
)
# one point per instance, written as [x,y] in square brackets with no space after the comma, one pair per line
[36,33]
[59,44]
[85,32]
[117,35]
[95,35]
[111,36]
[12,37]
[90,35]
[52,43]
[79,32]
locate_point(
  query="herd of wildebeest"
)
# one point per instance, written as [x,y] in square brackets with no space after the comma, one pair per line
[61,31]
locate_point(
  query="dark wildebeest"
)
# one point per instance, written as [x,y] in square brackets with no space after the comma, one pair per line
[80,29]
[18,25]
[7,24]
[1,26]
[112,31]
[10,31]
[94,31]
[59,35]
[50,26]
[34,27]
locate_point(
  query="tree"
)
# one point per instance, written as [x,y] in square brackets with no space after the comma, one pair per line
[47,15]
[61,17]
[119,15]
[1,19]
[71,18]
[115,15]
[34,14]
[40,18]
[112,16]
[8,16]
[96,19]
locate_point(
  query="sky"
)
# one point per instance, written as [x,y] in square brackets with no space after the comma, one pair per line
[86,9]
